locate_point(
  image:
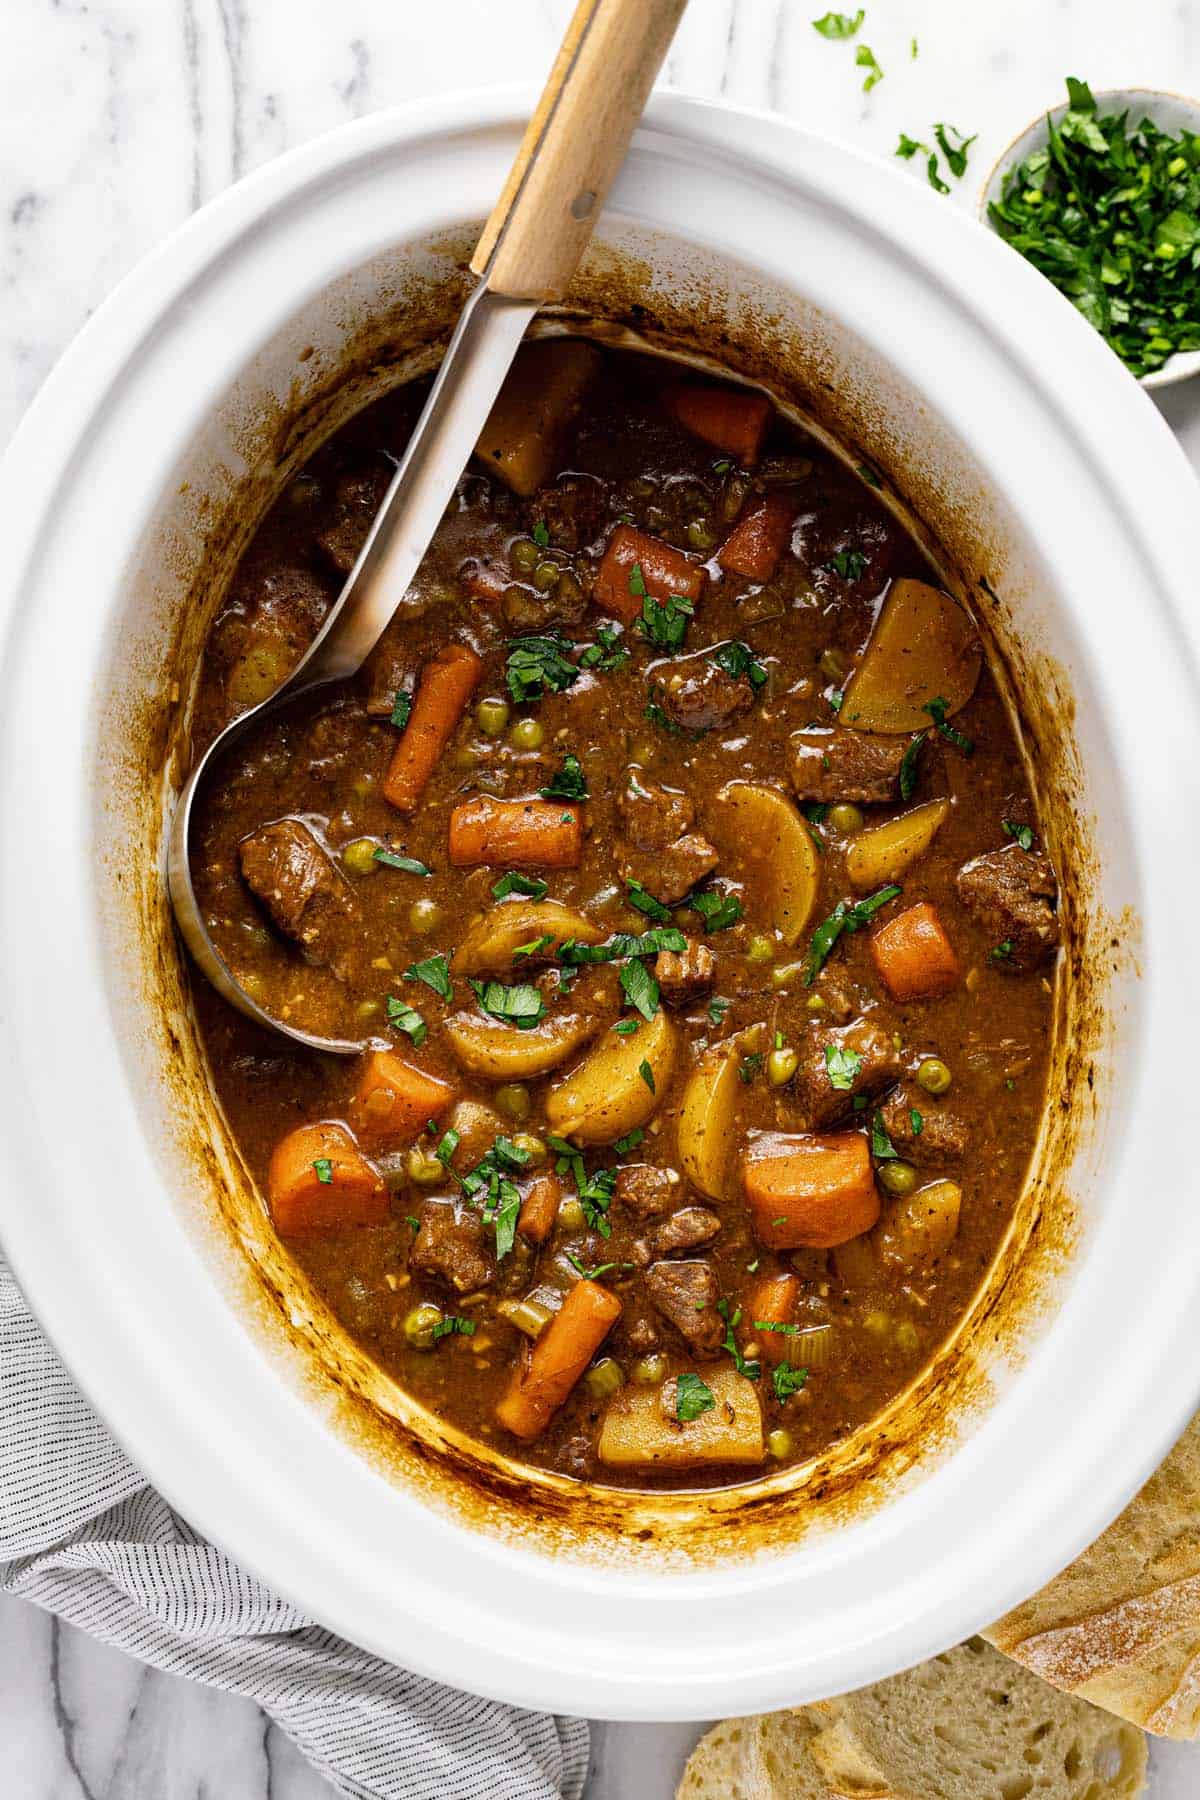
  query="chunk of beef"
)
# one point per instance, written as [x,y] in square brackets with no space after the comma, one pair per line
[671,873]
[652,817]
[451,1245]
[686,1229]
[645,1190]
[942,1138]
[684,975]
[291,874]
[641,1333]
[686,1294]
[525,609]
[359,496]
[864,1056]
[1011,894]
[843,764]
[572,509]
[697,695]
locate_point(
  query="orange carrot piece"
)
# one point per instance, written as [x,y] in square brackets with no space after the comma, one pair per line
[446,685]
[773,1302]
[665,571]
[914,957]
[394,1100]
[810,1192]
[734,419]
[539,1209]
[516,834]
[758,540]
[318,1180]
[555,1362]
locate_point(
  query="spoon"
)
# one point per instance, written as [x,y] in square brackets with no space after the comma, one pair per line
[529,250]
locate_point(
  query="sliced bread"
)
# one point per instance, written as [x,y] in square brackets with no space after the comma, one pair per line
[968,1725]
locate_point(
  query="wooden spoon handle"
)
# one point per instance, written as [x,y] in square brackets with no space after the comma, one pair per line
[574,145]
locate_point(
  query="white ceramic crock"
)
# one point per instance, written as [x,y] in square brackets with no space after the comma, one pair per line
[965,367]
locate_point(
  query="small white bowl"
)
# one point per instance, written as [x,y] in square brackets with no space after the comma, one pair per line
[1170,112]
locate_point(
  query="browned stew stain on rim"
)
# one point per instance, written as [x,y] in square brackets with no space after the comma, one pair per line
[856,405]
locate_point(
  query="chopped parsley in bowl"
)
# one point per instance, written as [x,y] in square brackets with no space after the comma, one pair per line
[1102,196]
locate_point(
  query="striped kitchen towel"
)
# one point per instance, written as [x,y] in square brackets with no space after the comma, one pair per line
[82,1535]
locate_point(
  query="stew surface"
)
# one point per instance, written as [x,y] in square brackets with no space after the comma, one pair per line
[675,854]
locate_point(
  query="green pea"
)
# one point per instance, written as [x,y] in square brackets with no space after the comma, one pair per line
[546,576]
[359,856]
[533,1147]
[844,817]
[424,915]
[491,716]
[779,1443]
[784,974]
[526,734]
[781,1066]
[699,536]
[512,1100]
[524,554]
[367,1009]
[934,1075]
[571,1216]
[425,1170]
[648,1370]
[420,1323]
[897,1178]
[604,1378]
[760,949]
[814,1004]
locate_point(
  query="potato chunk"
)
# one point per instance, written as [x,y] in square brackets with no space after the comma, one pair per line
[489,945]
[502,1053]
[641,1431]
[705,1130]
[923,648]
[764,842]
[608,1095]
[881,853]
[921,1227]
[527,423]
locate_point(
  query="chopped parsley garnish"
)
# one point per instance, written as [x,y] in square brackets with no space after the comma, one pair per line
[718,911]
[717,1008]
[534,946]
[490,1183]
[1020,834]
[910,767]
[1001,952]
[446,1145]
[403,1017]
[541,534]
[776,1325]
[869,475]
[594,1274]
[916,1120]
[521,1005]
[630,1141]
[539,665]
[815,811]
[408,864]
[692,1397]
[434,972]
[625,1027]
[623,944]
[641,991]
[568,783]
[1111,215]
[453,1325]
[664,623]
[401,708]
[637,582]
[324,1169]
[864,57]
[937,709]
[882,1147]
[836,26]
[737,659]
[843,1067]
[849,564]
[644,901]
[512,883]
[647,1075]
[847,915]
[955,154]
[750,1369]
[607,653]
[787,1381]
[835,699]
[749,1066]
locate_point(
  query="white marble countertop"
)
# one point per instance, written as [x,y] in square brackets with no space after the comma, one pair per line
[118,118]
